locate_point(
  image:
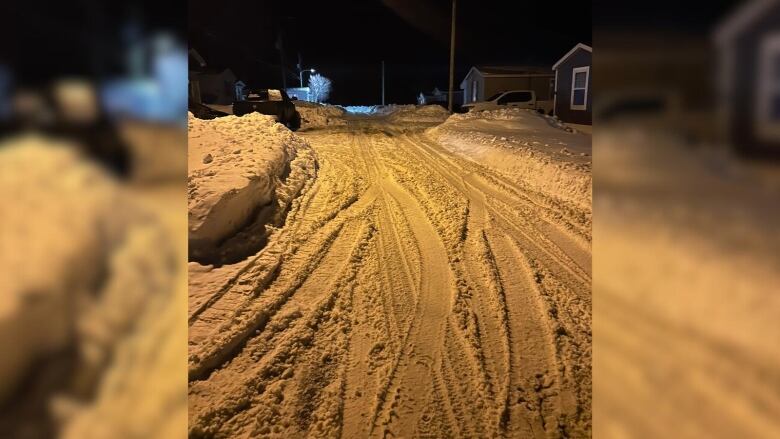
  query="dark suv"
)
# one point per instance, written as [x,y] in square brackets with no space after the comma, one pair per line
[270,102]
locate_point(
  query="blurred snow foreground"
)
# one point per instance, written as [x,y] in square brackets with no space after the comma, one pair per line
[92,340]
[686,300]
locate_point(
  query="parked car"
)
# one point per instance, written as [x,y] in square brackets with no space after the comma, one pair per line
[202,111]
[271,102]
[512,99]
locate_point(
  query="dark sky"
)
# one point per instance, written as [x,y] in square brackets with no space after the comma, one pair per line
[673,15]
[41,40]
[347,40]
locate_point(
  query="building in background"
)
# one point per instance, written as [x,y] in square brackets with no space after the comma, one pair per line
[573,90]
[482,82]
[440,97]
[211,85]
[662,79]
[299,93]
[748,50]
[240,90]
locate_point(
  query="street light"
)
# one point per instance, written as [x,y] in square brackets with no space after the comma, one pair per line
[300,74]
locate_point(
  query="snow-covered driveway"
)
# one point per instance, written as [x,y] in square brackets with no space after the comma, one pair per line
[410,292]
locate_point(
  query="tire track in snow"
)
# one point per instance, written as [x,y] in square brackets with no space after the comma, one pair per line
[465,181]
[564,268]
[267,356]
[399,402]
[565,226]
[435,322]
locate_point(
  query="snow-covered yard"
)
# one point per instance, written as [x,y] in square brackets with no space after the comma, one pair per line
[531,149]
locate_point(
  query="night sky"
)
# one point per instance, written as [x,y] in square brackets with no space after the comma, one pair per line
[347,40]
[41,40]
[664,15]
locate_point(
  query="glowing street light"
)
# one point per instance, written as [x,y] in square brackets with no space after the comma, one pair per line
[300,74]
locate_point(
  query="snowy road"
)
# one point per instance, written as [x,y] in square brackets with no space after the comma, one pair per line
[410,293]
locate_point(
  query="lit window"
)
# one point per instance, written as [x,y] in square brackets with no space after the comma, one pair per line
[579,88]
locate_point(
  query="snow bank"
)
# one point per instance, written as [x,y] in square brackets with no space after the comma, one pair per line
[532,149]
[417,113]
[403,113]
[78,274]
[54,202]
[319,116]
[237,166]
[362,109]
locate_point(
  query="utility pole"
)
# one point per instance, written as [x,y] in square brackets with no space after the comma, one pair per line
[280,47]
[452,58]
[383,83]
[300,68]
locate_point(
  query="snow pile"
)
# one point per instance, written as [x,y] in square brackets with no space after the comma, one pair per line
[515,114]
[237,167]
[532,149]
[319,116]
[687,242]
[362,109]
[78,274]
[417,113]
[48,237]
[402,113]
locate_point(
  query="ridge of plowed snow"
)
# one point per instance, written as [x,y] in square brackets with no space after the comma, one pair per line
[237,165]
[315,115]
[417,113]
[531,149]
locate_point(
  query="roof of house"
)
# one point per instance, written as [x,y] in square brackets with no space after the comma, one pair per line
[579,46]
[741,19]
[512,70]
[506,72]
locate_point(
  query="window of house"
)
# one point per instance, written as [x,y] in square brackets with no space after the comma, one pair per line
[768,89]
[473,91]
[579,88]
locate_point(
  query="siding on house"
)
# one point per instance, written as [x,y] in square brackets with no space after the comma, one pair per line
[745,84]
[563,97]
[473,79]
[215,88]
[488,84]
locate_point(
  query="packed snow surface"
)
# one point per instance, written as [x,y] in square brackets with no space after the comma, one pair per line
[409,292]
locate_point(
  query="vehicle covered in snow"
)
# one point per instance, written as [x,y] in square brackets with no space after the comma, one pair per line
[512,99]
[271,102]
